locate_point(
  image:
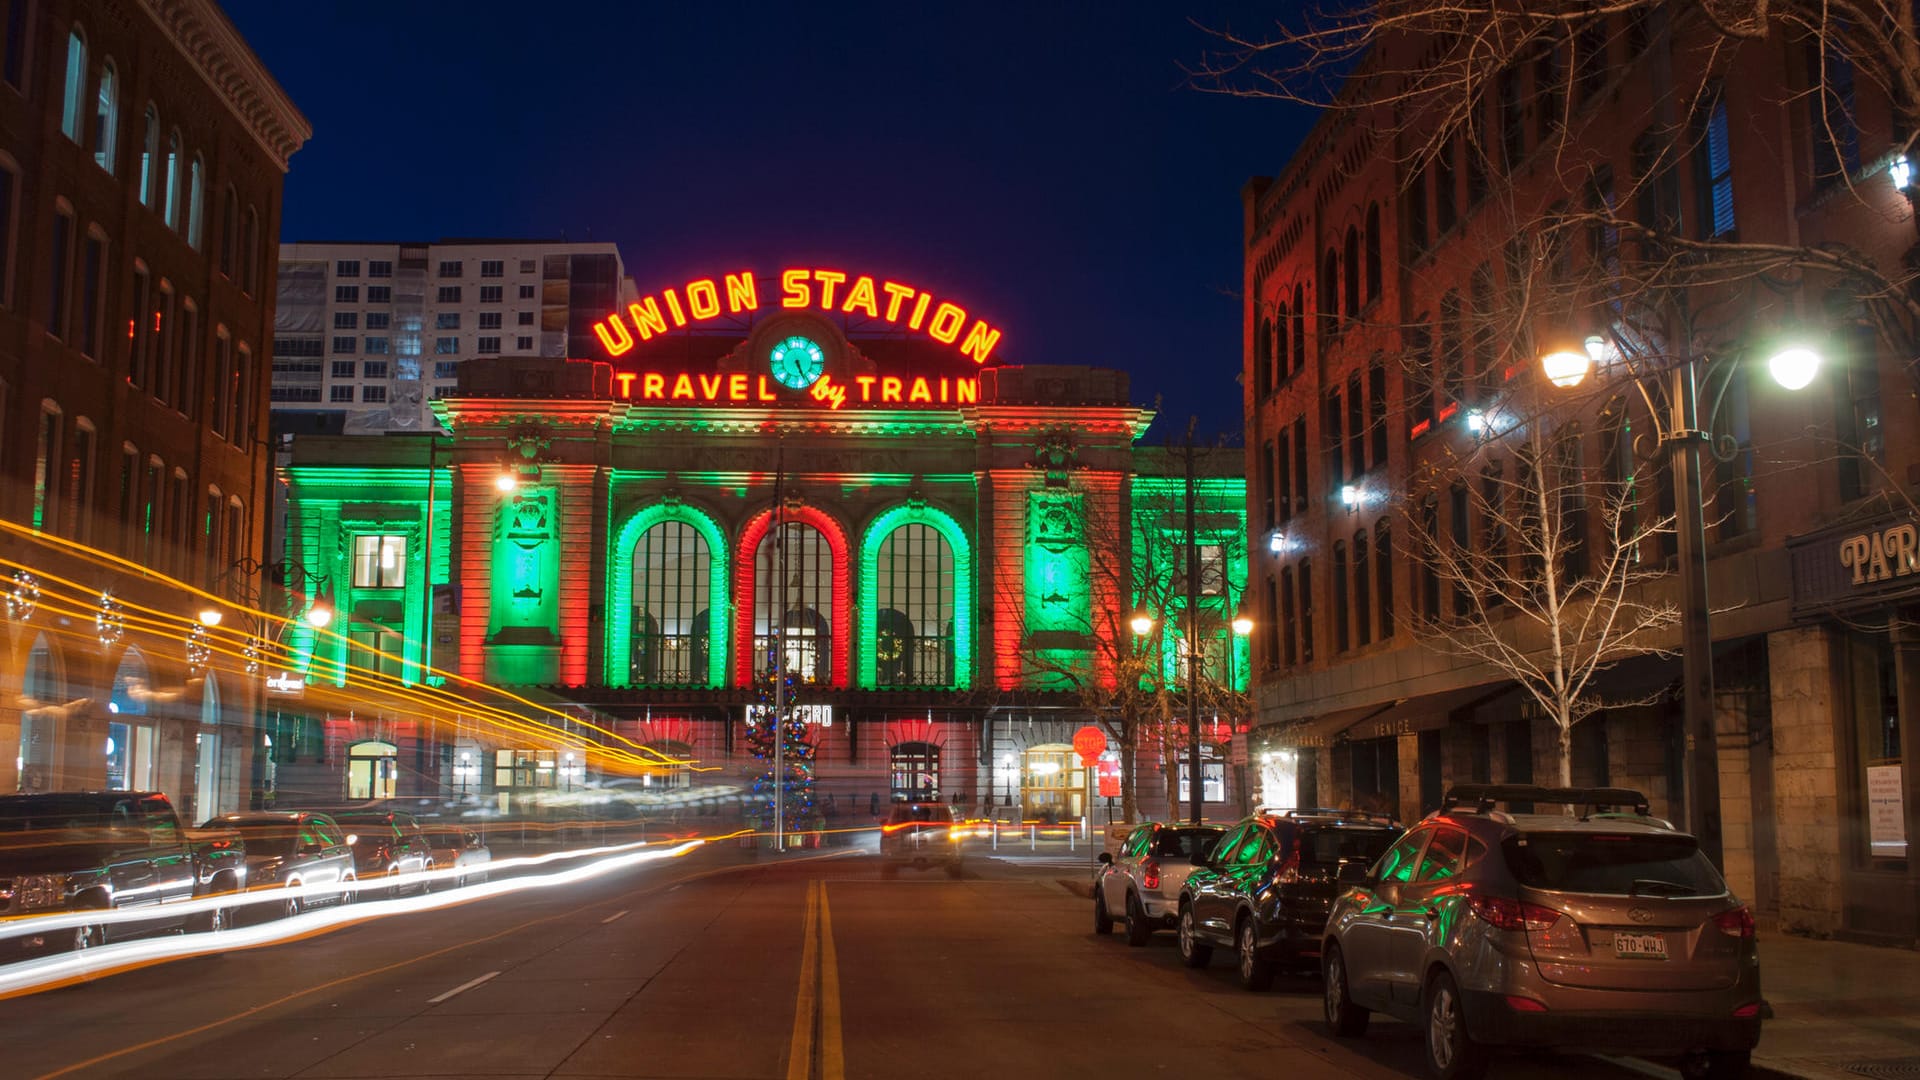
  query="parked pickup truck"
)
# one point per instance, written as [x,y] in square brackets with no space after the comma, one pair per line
[108,850]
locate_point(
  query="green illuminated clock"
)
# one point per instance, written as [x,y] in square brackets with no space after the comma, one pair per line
[796,362]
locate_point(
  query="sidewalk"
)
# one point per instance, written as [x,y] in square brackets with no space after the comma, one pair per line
[1841,1011]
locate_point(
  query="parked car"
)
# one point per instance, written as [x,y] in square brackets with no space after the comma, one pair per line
[109,851]
[387,844]
[1607,929]
[921,836]
[1267,885]
[461,850]
[292,849]
[1141,883]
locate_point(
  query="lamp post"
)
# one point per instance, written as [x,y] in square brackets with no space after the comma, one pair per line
[1006,769]
[1242,627]
[1681,436]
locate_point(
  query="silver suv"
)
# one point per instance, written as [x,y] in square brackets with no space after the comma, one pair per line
[1604,930]
[1142,883]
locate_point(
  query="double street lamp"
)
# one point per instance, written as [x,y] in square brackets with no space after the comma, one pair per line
[1681,434]
[1143,623]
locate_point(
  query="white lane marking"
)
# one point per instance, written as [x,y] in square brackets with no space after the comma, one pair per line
[462,988]
[612,917]
[676,888]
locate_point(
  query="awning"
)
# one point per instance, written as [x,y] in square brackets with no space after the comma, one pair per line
[1428,712]
[1322,730]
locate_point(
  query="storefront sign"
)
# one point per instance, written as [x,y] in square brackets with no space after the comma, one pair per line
[1877,556]
[286,685]
[1886,812]
[1852,566]
[831,291]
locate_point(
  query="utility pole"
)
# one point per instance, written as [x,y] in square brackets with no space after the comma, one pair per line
[1194,785]
[778,662]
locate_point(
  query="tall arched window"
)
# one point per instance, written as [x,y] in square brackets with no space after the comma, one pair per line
[1281,333]
[170,185]
[1373,251]
[1328,304]
[106,122]
[913,578]
[73,101]
[150,157]
[799,583]
[1362,591]
[1352,283]
[1263,357]
[672,605]
[196,201]
[1299,327]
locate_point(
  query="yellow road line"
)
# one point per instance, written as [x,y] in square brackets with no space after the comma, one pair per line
[800,1050]
[833,1056]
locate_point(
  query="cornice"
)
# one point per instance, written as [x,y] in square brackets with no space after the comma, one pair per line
[200,30]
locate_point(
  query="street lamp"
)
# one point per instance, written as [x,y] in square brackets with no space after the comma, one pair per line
[1682,435]
[1006,769]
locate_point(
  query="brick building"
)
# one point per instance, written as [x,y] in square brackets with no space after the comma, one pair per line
[1393,306]
[142,151]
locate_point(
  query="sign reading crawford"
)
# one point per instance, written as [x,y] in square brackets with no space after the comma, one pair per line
[1856,565]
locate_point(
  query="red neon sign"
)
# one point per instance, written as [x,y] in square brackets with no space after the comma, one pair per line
[740,388]
[800,288]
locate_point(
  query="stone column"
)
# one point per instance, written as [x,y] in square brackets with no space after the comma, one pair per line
[1801,665]
[1732,724]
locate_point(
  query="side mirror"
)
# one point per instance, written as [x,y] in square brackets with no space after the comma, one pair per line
[1352,873]
[1106,858]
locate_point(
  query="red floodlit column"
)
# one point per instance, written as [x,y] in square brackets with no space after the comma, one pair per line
[743,578]
[1007,489]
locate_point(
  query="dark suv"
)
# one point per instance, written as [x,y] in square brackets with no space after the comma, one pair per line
[920,836]
[1266,887]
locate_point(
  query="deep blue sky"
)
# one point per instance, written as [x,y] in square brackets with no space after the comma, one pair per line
[1043,164]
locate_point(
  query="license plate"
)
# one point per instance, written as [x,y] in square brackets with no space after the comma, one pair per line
[1640,946]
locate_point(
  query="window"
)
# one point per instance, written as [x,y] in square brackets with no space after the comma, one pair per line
[1836,133]
[442,391]
[1416,198]
[1590,60]
[378,320]
[162,327]
[805,597]
[346,345]
[376,346]
[446,320]
[1857,430]
[493,268]
[1267,484]
[340,394]
[1335,444]
[523,344]
[187,399]
[129,499]
[1460,524]
[1547,77]
[374,369]
[106,120]
[672,606]
[139,329]
[346,294]
[1429,537]
[170,185]
[1306,611]
[1373,252]
[446,369]
[1328,305]
[446,346]
[379,562]
[1356,426]
[1446,210]
[13,51]
[1377,412]
[1289,628]
[346,320]
[301,394]
[222,381]
[1362,591]
[1733,499]
[150,158]
[1299,462]
[489,320]
[1282,364]
[73,102]
[343,369]
[1417,390]
[1351,286]
[1657,194]
[914,572]
[61,271]
[379,294]
[243,399]
[9,183]
[1513,127]
[93,286]
[373,395]
[1339,586]
[526,292]
[1713,170]
[379,268]
[1283,480]
[490,294]
[450,269]
[526,266]
[448,294]
[1383,574]
[488,346]
[347,268]
[196,201]
[523,318]
[46,467]
[151,524]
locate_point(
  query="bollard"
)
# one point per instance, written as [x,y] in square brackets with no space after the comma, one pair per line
[1071,841]
[1033,838]
[996,836]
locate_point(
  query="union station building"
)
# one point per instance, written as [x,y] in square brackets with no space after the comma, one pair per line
[955,546]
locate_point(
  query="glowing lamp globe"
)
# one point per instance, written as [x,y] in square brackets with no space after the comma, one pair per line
[319,615]
[1566,367]
[1242,625]
[1142,624]
[1794,366]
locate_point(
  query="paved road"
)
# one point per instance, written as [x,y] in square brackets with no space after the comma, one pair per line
[715,965]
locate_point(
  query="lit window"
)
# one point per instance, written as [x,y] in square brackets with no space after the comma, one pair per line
[914,613]
[379,562]
[672,606]
[106,121]
[71,116]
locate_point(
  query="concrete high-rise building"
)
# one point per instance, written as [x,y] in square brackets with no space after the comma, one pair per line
[374,331]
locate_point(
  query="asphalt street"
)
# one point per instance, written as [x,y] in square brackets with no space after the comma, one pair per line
[719,964]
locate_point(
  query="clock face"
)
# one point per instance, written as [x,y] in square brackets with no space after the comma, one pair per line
[796,362]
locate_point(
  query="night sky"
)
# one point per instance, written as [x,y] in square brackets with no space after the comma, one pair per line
[1045,165]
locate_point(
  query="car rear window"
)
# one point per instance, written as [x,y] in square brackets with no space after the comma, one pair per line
[1330,846]
[1189,844]
[922,812]
[275,839]
[1612,863]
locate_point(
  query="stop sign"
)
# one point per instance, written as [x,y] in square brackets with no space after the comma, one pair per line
[1089,742]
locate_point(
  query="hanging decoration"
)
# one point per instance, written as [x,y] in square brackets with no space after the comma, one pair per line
[109,622]
[799,813]
[199,648]
[23,597]
[250,653]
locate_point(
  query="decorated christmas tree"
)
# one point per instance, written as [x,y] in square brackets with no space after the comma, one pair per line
[800,813]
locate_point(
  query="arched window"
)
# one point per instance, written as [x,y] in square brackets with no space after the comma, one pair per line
[672,605]
[150,157]
[1373,251]
[1299,327]
[913,578]
[915,770]
[106,122]
[1329,301]
[196,201]
[1362,591]
[1263,357]
[170,185]
[43,690]
[1280,360]
[799,583]
[1383,578]
[372,768]
[72,119]
[1352,283]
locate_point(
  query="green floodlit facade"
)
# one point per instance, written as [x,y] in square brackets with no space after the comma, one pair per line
[939,583]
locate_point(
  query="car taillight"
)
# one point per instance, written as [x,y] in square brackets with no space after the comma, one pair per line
[1506,913]
[1524,1004]
[1150,873]
[1735,922]
[1289,871]
[1749,1009]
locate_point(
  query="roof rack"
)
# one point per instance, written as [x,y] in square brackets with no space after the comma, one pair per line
[1585,801]
[1328,811]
